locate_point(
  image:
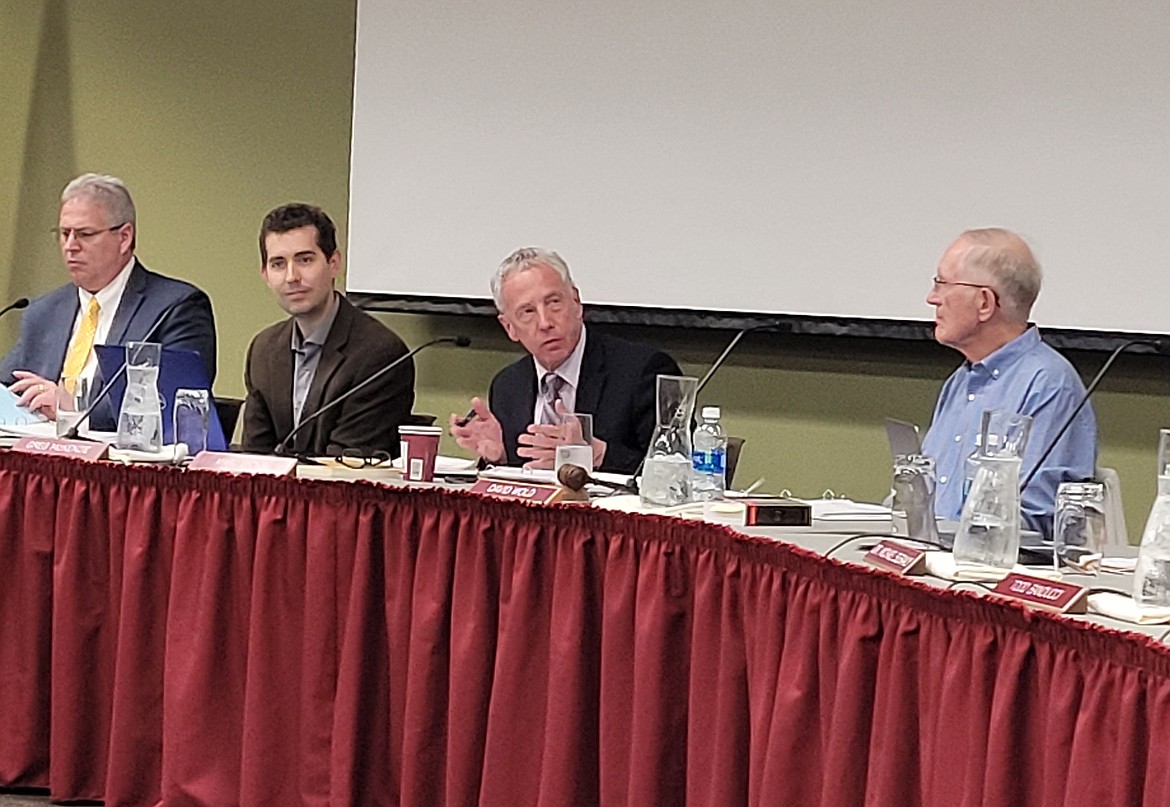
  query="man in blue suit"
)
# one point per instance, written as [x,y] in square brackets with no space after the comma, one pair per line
[112,299]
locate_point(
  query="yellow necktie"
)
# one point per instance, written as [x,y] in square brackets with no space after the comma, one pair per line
[82,342]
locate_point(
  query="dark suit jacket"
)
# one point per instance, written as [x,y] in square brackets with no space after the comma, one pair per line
[356,348]
[47,325]
[617,386]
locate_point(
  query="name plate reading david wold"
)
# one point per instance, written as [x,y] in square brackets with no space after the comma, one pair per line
[1051,595]
[897,558]
[517,491]
[60,447]
[229,463]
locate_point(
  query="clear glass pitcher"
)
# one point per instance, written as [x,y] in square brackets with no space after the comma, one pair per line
[1002,434]
[140,421]
[989,528]
[667,472]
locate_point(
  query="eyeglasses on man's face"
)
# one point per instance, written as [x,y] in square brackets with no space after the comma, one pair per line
[940,285]
[83,234]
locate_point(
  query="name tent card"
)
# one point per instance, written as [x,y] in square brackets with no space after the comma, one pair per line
[60,447]
[1051,595]
[897,558]
[518,491]
[256,464]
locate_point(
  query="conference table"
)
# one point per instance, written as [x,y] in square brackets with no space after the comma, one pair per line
[192,638]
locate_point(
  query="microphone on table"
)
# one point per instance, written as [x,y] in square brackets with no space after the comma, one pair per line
[15,305]
[575,478]
[458,341]
[74,430]
[632,484]
[1158,345]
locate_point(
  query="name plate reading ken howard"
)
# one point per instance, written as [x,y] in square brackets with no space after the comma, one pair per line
[519,491]
[1051,595]
[60,447]
[256,464]
[897,558]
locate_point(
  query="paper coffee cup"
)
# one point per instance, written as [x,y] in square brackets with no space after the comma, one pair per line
[419,446]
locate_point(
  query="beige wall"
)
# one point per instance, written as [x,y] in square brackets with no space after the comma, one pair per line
[216,112]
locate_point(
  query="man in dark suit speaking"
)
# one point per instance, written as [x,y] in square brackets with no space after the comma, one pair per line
[112,299]
[569,369]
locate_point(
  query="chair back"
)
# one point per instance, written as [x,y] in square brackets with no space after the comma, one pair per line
[731,460]
[228,410]
[1114,511]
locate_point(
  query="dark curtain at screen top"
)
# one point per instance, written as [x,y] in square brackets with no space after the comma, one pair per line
[195,639]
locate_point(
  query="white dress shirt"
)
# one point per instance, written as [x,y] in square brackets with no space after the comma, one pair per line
[570,373]
[108,299]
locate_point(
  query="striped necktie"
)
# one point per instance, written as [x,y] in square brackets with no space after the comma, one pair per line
[550,392]
[82,344]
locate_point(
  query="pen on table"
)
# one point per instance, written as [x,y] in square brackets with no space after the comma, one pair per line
[470,416]
[751,488]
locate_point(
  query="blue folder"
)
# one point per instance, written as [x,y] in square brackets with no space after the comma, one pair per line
[178,369]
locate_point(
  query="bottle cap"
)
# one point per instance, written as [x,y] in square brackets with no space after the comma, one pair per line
[711,413]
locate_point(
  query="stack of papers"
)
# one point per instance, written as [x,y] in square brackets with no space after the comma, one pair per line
[446,465]
[847,510]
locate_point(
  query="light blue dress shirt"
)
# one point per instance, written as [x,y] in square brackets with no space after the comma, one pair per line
[1028,377]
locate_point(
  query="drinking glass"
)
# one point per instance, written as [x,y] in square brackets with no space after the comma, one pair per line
[72,401]
[1079,534]
[574,441]
[192,418]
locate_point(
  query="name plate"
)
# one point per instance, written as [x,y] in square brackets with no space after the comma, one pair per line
[256,464]
[897,558]
[1051,595]
[60,447]
[518,491]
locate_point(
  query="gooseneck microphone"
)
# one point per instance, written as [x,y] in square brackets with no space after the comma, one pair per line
[15,305]
[458,341]
[1158,345]
[715,365]
[632,484]
[75,429]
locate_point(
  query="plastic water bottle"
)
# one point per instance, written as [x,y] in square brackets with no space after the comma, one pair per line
[709,457]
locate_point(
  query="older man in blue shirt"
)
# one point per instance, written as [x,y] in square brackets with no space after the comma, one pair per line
[983,292]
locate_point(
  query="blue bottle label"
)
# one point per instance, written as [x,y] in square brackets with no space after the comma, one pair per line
[708,462]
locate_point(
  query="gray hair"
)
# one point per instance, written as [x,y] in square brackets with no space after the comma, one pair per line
[107,191]
[1008,260]
[523,259]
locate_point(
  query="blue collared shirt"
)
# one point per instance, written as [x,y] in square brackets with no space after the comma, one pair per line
[1028,377]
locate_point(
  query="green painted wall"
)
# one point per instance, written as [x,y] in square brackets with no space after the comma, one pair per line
[214,113]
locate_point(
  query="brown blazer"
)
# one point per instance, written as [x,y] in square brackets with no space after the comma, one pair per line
[356,348]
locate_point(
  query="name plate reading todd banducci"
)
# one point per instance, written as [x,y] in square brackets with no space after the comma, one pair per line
[60,447]
[897,558]
[1051,595]
[518,491]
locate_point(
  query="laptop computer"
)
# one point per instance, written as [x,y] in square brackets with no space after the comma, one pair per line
[178,369]
[904,438]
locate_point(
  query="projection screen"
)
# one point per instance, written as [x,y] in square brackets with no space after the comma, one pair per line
[801,158]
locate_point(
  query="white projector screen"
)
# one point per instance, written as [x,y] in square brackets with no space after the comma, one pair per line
[807,158]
